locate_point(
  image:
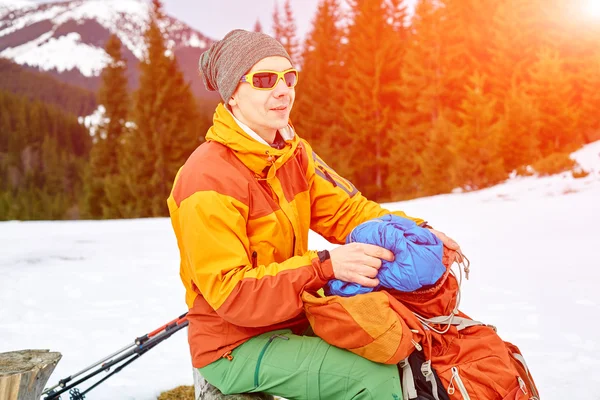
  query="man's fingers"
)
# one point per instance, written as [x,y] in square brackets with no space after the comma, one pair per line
[447,241]
[366,282]
[372,262]
[459,256]
[379,252]
[451,244]
[367,271]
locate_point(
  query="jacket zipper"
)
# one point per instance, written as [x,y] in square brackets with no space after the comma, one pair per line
[228,356]
[459,384]
[254,259]
[328,176]
[276,198]
[262,353]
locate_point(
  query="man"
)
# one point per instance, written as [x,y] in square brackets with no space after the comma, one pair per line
[241,208]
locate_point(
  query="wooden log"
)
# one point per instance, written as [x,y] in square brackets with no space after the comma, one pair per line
[23,374]
[205,391]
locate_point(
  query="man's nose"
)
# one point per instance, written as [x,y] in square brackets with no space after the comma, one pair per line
[280,88]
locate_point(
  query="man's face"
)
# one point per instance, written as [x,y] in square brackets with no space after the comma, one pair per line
[264,111]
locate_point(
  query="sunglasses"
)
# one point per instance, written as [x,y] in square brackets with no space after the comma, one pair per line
[267,80]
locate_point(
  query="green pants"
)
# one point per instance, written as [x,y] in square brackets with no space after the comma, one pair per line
[302,367]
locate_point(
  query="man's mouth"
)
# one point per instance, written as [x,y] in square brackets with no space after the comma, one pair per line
[280,108]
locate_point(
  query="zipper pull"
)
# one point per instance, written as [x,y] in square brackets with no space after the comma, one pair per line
[451,389]
[270,158]
[254,259]
[417,345]
[278,336]
[228,356]
[522,385]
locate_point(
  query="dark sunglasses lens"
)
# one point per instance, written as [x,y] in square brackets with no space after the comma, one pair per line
[291,78]
[264,80]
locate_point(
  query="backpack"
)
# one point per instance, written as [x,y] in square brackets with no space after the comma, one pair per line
[419,380]
[425,333]
[471,360]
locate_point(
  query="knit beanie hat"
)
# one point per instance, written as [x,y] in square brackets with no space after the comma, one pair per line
[227,60]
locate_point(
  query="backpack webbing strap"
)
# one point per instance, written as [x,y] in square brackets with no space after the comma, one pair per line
[427,372]
[521,359]
[409,391]
[460,322]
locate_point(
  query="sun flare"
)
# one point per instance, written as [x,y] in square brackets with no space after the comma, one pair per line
[591,8]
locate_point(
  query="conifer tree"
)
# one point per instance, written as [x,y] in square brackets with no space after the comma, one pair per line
[519,128]
[40,174]
[438,160]
[318,94]
[517,30]
[371,104]
[167,126]
[590,98]
[421,95]
[466,27]
[289,36]
[508,49]
[550,88]
[477,142]
[104,164]
[277,23]
[258,26]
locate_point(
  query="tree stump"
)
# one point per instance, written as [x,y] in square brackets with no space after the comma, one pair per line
[205,391]
[23,374]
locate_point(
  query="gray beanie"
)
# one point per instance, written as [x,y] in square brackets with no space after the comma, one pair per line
[227,60]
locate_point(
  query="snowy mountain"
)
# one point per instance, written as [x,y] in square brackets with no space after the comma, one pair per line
[88,288]
[8,5]
[67,38]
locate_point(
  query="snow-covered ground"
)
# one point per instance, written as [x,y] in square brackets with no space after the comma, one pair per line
[87,289]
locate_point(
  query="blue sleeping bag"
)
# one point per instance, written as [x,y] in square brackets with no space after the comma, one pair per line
[418,256]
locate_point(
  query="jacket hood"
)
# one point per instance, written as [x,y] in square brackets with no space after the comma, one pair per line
[255,155]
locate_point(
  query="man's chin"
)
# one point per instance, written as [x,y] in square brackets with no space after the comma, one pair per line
[280,123]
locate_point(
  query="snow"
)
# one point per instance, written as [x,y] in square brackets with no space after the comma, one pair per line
[62,53]
[195,41]
[30,18]
[110,14]
[126,18]
[94,120]
[88,288]
[8,5]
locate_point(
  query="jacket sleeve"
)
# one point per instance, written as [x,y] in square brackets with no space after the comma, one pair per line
[213,239]
[337,206]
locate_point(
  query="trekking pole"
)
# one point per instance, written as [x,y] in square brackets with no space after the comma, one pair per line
[140,346]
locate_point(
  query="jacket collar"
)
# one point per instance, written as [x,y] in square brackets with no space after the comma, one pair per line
[255,154]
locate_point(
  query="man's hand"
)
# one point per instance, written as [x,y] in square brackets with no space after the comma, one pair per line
[359,262]
[448,242]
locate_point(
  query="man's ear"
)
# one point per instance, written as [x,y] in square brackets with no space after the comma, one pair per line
[232,102]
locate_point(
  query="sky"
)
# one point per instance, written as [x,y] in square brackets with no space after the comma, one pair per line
[89,288]
[215,18]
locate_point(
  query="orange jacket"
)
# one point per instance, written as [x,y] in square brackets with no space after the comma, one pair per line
[241,212]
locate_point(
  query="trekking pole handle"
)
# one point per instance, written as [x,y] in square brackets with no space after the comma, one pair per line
[168,325]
